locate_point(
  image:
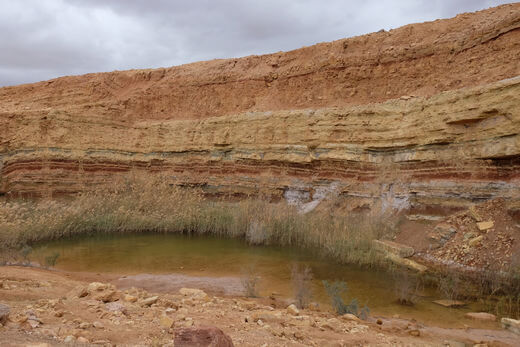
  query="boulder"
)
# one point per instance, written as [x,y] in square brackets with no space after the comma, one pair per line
[4,313]
[481,316]
[201,337]
[511,325]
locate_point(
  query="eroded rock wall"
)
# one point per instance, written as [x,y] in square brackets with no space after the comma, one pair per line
[322,116]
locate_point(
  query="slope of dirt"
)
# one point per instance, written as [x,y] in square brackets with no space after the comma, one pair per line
[419,59]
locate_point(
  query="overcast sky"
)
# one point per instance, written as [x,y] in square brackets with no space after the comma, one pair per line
[43,39]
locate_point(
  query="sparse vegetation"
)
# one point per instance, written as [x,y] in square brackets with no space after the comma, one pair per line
[336,291]
[250,281]
[302,284]
[51,260]
[151,204]
[407,288]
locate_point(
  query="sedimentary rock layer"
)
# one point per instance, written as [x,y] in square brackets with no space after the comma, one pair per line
[325,118]
[460,146]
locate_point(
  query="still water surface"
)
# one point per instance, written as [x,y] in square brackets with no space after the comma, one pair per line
[226,259]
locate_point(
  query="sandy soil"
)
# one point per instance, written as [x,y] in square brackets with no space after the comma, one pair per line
[48,307]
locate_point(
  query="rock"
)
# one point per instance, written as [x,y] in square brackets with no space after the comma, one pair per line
[511,325]
[130,298]
[441,234]
[474,214]
[166,322]
[202,337]
[194,293]
[292,309]
[475,241]
[485,225]
[96,287]
[481,316]
[78,292]
[393,247]
[4,313]
[116,307]
[267,316]
[450,303]
[82,339]
[350,317]
[69,339]
[84,325]
[149,301]
[33,323]
[98,325]
[408,263]
[470,235]
[414,332]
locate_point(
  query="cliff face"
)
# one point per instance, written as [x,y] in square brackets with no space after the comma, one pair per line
[427,115]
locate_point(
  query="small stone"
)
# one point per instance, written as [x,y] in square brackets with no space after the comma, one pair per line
[481,316]
[450,303]
[130,298]
[69,339]
[116,307]
[82,339]
[476,241]
[470,235]
[292,309]
[166,322]
[33,323]
[194,293]
[98,325]
[379,322]
[485,225]
[415,333]
[149,301]
[84,325]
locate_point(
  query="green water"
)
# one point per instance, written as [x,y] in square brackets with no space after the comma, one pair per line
[161,254]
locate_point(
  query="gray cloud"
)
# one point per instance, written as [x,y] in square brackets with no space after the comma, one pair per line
[47,39]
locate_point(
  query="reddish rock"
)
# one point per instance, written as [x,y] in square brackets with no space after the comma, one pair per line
[202,337]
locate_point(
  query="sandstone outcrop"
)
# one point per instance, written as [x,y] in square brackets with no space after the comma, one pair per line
[424,116]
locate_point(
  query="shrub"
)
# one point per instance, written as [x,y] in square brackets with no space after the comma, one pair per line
[51,260]
[335,291]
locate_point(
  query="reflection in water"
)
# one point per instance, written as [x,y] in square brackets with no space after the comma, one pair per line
[213,257]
